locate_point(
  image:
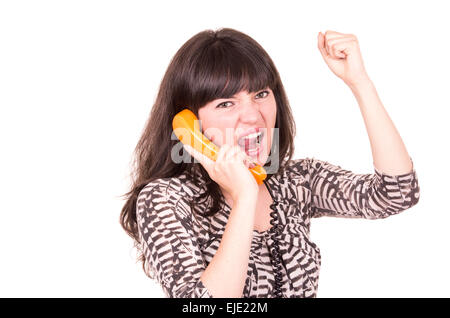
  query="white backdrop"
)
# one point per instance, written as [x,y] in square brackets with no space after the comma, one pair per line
[78,79]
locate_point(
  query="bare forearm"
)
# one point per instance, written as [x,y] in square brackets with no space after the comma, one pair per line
[226,273]
[388,150]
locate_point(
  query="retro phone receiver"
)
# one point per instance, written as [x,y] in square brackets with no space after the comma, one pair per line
[187,129]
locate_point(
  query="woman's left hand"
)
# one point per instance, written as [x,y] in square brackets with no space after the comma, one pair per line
[342,54]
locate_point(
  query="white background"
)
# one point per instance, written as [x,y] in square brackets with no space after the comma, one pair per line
[78,80]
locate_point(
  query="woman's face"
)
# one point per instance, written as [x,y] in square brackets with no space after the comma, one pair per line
[229,120]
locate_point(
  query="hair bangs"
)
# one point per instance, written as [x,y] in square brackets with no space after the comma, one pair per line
[223,72]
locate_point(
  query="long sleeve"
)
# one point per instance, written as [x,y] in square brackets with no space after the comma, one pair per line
[168,241]
[342,193]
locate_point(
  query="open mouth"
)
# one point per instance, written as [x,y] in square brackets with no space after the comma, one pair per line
[252,144]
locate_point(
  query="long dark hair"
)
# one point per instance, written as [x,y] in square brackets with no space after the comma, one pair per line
[210,65]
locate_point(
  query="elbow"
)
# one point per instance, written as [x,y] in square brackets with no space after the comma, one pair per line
[411,197]
[414,196]
[382,211]
[392,194]
[191,290]
[385,202]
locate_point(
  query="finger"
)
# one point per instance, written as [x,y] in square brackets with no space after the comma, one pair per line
[343,49]
[231,155]
[338,47]
[321,45]
[247,160]
[333,34]
[330,37]
[204,161]
[340,50]
[228,154]
[226,151]
[241,156]
[327,47]
[222,152]
[251,163]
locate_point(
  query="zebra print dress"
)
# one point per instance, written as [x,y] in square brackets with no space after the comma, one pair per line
[178,245]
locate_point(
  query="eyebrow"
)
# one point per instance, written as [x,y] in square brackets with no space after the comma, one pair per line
[219,98]
[237,93]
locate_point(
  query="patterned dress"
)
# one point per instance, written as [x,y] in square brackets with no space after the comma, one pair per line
[179,244]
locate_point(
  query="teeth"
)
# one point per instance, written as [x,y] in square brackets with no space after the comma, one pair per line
[251,151]
[252,136]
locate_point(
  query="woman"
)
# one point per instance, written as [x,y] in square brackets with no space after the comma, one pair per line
[207,229]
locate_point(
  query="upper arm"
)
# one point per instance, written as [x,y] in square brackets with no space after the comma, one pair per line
[340,192]
[168,241]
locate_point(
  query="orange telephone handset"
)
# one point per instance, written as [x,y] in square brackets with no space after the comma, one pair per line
[186,127]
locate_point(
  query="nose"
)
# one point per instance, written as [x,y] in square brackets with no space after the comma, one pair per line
[249,116]
[250,112]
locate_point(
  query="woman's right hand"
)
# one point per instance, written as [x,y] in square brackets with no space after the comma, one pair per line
[230,170]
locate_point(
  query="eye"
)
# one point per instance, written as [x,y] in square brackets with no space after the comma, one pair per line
[262,93]
[219,106]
